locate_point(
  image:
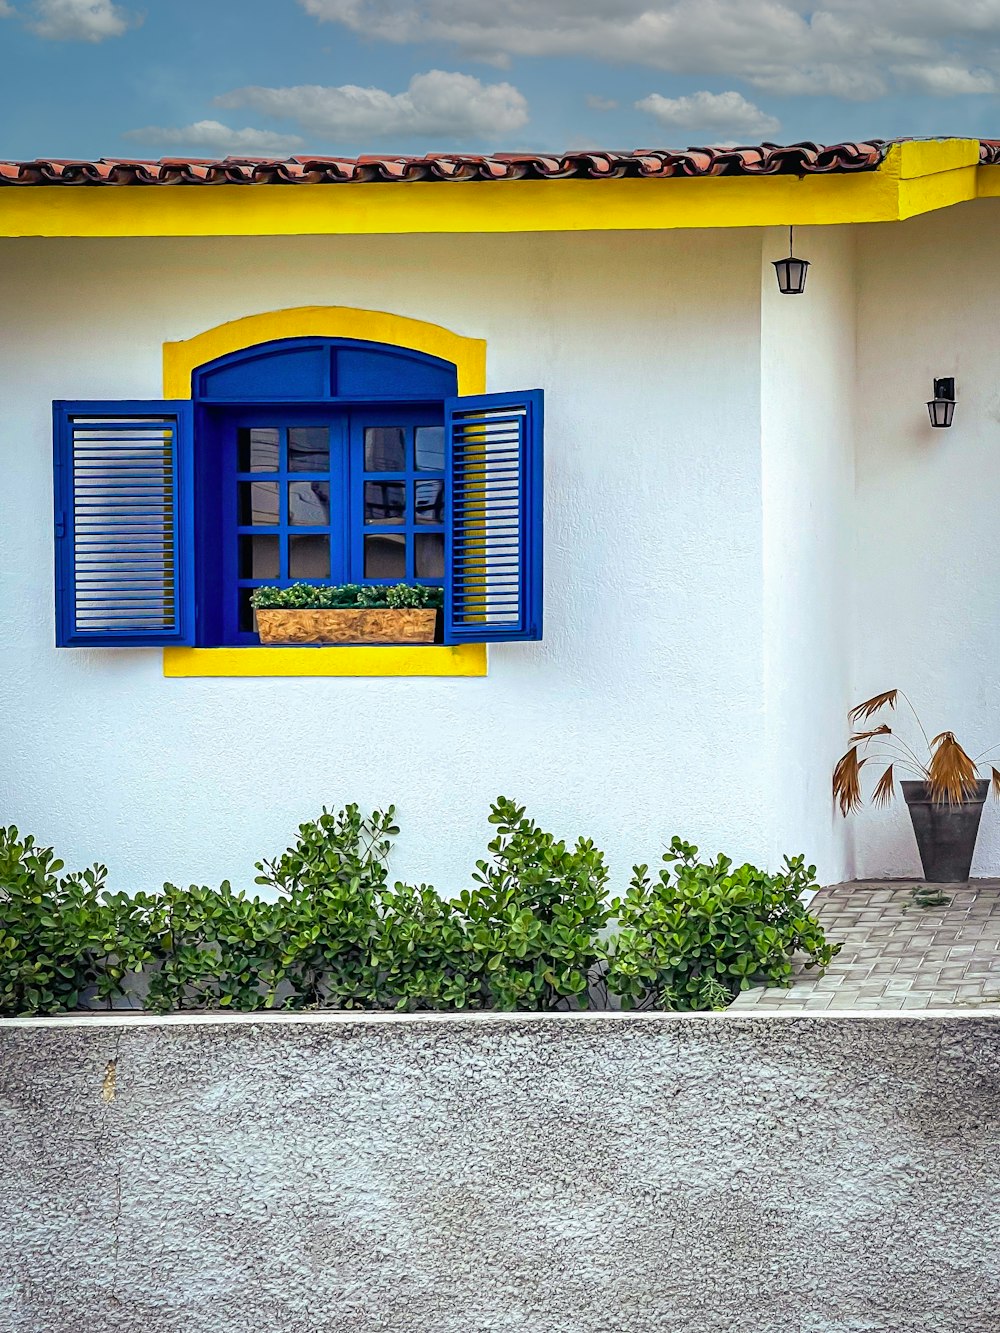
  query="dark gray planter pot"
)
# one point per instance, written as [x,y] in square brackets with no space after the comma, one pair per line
[946,834]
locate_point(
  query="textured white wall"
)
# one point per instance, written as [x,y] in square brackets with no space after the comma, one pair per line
[927,611]
[640,715]
[808,346]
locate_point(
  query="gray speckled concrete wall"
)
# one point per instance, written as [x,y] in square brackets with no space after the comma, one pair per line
[450,1175]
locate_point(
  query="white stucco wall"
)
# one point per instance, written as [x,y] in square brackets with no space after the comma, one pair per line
[808,350]
[926,617]
[749,525]
[642,712]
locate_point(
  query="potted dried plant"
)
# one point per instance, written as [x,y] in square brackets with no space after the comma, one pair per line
[347,613]
[944,794]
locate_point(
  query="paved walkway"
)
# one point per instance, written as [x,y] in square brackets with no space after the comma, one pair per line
[898,954]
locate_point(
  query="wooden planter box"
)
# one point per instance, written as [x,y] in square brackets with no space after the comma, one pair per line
[364,625]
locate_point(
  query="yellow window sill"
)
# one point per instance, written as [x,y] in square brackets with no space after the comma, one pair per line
[467,659]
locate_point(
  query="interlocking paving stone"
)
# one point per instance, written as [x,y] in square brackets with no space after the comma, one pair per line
[898,955]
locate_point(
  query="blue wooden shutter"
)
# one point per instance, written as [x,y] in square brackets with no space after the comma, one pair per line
[493,533]
[124,523]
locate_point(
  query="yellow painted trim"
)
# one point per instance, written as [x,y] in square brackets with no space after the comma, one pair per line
[464,660]
[927,157]
[181,359]
[885,195]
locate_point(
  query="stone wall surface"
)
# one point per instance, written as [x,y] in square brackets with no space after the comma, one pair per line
[835,1174]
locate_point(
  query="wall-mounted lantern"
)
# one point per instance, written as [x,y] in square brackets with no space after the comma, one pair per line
[941,407]
[791,272]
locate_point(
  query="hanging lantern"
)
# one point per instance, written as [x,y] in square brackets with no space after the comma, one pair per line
[941,408]
[791,272]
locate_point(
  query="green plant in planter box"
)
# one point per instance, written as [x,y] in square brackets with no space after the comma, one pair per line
[348,597]
[700,932]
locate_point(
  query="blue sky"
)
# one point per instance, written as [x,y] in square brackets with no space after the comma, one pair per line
[205,78]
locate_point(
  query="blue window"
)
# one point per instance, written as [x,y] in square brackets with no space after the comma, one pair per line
[308,460]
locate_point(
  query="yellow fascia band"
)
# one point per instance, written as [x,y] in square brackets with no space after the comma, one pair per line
[915,177]
[181,359]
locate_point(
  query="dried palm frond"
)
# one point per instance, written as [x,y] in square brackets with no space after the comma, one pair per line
[847,781]
[871,706]
[883,730]
[951,774]
[884,791]
[995,784]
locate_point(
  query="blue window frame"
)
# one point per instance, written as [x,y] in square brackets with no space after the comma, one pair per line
[320,496]
[308,460]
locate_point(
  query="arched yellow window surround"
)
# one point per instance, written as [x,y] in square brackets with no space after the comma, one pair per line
[181,359]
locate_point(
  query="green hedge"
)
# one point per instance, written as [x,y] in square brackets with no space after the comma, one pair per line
[534,931]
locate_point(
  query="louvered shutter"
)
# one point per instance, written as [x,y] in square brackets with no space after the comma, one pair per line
[493,534]
[124,523]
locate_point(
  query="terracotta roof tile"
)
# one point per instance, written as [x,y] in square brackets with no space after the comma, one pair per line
[756,160]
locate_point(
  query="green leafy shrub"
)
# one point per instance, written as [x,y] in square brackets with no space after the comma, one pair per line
[536,915]
[332,881]
[55,940]
[701,932]
[348,596]
[206,948]
[530,933]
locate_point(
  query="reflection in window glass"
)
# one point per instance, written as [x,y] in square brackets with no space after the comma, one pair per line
[428,555]
[258,449]
[309,557]
[247,615]
[309,503]
[259,557]
[385,449]
[429,507]
[258,502]
[385,501]
[430,448]
[308,449]
[385,557]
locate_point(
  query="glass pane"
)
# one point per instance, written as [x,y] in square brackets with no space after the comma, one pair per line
[429,506]
[430,448]
[385,449]
[428,555]
[309,557]
[309,504]
[257,449]
[385,501]
[258,502]
[259,558]
[248,616]
[308,449]
[385,557]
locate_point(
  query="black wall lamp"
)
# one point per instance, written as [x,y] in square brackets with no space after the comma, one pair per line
[941,408]
[791,272]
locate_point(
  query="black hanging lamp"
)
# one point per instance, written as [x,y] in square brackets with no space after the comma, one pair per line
[941,408]
[791,272]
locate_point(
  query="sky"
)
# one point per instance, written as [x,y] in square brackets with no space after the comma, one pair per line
[277,78]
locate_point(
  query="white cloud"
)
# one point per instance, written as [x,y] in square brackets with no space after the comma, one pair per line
[78,20]
[6,11]
[452,106]
[213,137]
[717,117]
[945,80]
[597,103]
[850,49]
